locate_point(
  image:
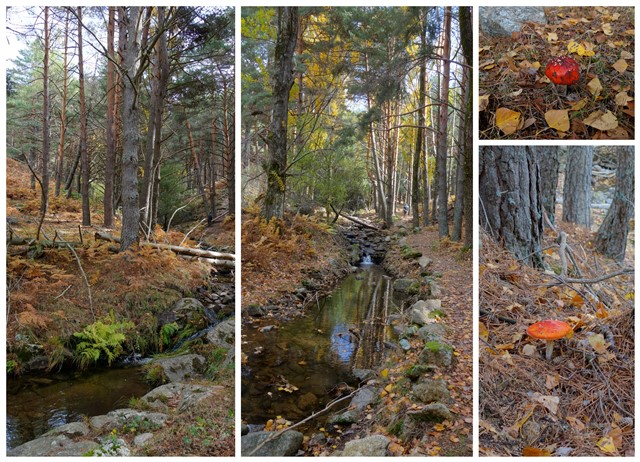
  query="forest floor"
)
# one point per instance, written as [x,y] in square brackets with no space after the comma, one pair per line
[54,292]
[517,100]
[581,403]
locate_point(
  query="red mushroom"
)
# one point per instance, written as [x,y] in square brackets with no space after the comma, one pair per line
[563,70]
[549,331]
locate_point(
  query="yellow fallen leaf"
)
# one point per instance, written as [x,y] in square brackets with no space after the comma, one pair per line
[483,102]
[505,346]
[620,65]
[626,55]
[606,28]
[384,373]
[606,445]
[572,46]
[507,358]
[602,120]
[507,120]
[552,37]
[594,87]
[535,452]
[388,388]
[558,119]
[514,430]
[623,98]
[586,49]
[579,105]
[439,427]
[598,343]
[576,424]
[483,332]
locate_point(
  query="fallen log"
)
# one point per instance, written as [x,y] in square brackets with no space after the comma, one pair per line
[354,219]
[212,261]
[208,254]
[43,243]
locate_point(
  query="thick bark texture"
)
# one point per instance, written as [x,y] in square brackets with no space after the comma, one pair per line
[548,158]
[511,200]
[85,165]
[576,207]
[282,82]
[130,110]
[422,97]
[63,110]
[612,235]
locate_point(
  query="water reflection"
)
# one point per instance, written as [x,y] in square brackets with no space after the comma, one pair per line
[294,369]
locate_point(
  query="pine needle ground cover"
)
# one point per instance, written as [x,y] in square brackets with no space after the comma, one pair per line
[581,402]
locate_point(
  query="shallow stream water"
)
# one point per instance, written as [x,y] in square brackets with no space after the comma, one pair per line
[37,405]
[303,364]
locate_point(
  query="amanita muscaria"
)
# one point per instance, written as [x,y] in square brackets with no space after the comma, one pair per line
[549,330]
[563,70]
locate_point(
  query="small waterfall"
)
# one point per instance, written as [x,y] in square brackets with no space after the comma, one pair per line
[366,260]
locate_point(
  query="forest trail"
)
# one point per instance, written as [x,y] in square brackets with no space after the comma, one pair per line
[456,285]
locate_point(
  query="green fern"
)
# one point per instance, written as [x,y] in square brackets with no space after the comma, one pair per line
[167,332]
[101,340]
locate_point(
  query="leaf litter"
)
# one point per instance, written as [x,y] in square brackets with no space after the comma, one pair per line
[517,100]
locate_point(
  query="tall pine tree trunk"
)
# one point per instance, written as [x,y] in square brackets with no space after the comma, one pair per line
[611,239]
[576,207]
[110,155]
[63,110]
[85,165]
[548,158]
[443,116]
[46,122]
[277,139]
[130,111]
[466,39]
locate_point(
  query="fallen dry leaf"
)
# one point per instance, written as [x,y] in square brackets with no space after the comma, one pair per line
[483,102]
[529,350]
[598,343]
[606,445]
[620,65]
[550,402]
[602,120]
[552,381]
[535,452]
[507,120]
[594,87]
[558,119]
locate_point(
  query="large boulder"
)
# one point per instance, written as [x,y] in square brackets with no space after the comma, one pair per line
[186,311]
[363,398]
[408,286]
[223,335]
[371,446]
[434,412]
[287,444]
[502,21]
[432,332]
[180,368]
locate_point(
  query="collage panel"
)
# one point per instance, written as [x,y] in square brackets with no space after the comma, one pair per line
[556,300]
[356,231]
[120,226]
[557,73]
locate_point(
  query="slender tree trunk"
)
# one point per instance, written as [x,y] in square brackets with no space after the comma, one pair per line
[130,135]
[84,155]
[443,224]
[422,98]
[196,165]
[576,207]
[212,170]
[46,122]
[229,144]
[611,239]
[277,139]
[63,110]
[110,155]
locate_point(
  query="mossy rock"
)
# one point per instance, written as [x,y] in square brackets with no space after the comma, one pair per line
[437,353]
[409,254]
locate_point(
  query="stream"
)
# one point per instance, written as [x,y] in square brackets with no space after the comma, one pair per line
[297,368]
[36,405]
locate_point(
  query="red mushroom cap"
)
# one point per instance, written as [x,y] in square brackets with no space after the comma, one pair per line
[549,329]
[563,70]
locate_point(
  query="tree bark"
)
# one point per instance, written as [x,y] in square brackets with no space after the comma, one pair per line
[63,110]
[281,84]
[110,155]
[466,39]
[611,239]
[548,158]
[130,110]
[443,117]
[511,200]
[85,166]
[576,207]
[46,122]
